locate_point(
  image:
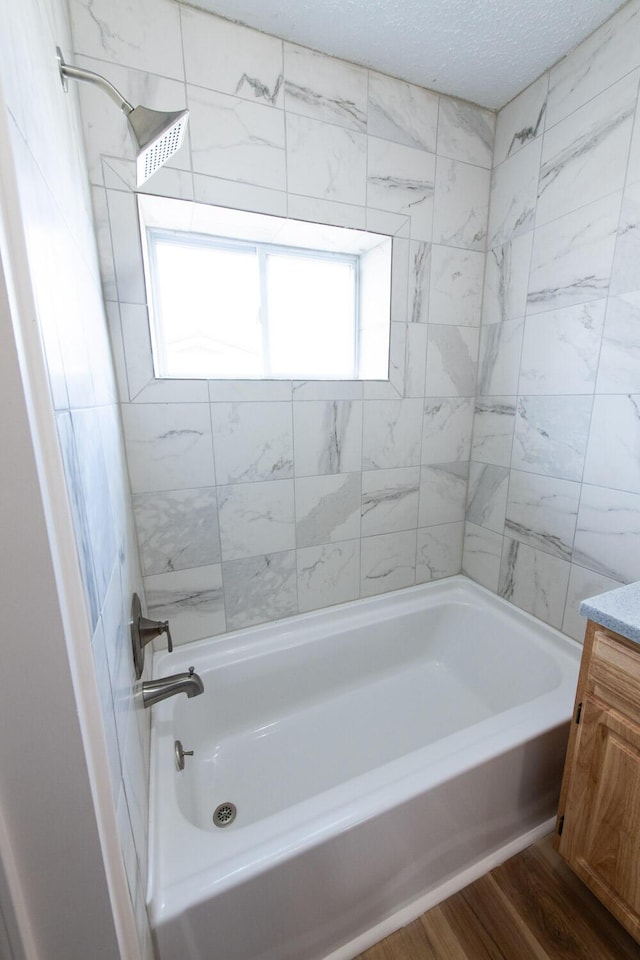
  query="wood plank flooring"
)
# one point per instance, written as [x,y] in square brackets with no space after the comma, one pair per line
[530,908]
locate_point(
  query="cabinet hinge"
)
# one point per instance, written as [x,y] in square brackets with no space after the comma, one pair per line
[578,713]
[560,825]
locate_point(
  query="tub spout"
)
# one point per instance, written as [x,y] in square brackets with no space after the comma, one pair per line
[155,690]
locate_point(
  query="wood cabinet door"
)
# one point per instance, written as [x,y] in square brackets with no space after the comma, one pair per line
[601,829]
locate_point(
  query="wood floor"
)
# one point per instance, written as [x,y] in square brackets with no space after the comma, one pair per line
[530,908]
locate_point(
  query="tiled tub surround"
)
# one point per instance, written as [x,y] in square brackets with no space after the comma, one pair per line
[246,495]
[554,500]
[256,500]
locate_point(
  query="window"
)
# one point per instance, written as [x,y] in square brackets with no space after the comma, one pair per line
[234,295]
[237,310]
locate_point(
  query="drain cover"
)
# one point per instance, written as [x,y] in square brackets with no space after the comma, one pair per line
[224,814]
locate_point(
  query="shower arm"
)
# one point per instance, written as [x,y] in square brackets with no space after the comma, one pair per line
[77,73]
[157,134]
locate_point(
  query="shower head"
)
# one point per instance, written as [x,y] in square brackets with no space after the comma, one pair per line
[157,135]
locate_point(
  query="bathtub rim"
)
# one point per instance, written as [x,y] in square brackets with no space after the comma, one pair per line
[167,898]
[226,648]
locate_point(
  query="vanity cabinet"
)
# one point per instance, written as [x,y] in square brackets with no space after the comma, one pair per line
[598,828]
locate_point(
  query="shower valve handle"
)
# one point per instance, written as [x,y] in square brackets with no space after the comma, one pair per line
[143,631]
[150,629]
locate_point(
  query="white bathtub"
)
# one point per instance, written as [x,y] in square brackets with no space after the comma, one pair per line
[380,755]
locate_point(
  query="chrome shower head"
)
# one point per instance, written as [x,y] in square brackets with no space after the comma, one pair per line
[157,135]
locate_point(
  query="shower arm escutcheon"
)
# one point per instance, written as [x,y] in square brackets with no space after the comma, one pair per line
[143,631]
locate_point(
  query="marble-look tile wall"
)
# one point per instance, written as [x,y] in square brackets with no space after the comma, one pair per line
[553,512]
[55,204]
[255,501]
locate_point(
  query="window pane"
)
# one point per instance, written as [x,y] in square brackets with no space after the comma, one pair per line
[311,311]
[207,311]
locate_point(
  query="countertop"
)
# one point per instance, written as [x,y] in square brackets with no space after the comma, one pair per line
[618,609]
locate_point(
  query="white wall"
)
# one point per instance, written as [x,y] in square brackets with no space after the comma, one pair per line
[49,841]
[257,501]
[55,217]
[554,499]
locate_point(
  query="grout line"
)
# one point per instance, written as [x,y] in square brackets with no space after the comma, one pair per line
[285,115]
[186,100]
[600,93]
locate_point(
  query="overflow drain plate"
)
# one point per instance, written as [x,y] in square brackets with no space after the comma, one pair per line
[224,814]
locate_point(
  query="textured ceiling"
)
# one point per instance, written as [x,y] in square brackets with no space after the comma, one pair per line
[486,51]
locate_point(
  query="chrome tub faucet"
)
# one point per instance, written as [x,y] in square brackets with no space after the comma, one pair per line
[153,691]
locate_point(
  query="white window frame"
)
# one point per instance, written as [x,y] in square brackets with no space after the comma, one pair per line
[196,224]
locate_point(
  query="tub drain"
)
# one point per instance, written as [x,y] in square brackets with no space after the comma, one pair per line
[224,814]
